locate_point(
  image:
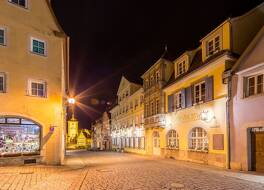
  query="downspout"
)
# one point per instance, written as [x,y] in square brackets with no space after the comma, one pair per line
[229,91]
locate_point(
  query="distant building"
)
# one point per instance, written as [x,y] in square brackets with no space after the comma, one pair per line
[127,118]
[101,139]
[154,79]
[34,53]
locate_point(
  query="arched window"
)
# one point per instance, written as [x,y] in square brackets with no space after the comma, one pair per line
[198,139]
[173,139]
[19,136]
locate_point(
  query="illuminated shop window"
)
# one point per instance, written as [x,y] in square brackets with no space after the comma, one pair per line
[173,139]
[19,136]
[198,139]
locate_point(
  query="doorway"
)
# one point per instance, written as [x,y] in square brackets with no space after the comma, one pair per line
[257,143]
[156,143]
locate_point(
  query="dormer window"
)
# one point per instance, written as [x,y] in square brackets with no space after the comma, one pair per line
[181,68]
[213,46]
[21,3]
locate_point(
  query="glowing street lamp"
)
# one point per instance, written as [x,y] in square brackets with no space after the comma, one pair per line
[71,102]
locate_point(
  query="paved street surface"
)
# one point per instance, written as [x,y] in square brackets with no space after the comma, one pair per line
[106,170]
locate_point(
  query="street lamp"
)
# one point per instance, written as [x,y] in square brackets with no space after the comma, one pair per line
[71,102]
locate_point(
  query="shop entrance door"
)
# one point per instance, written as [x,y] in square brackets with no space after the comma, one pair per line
[156,143]
[258,151]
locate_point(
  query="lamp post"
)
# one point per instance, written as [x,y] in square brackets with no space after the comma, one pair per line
[71,102]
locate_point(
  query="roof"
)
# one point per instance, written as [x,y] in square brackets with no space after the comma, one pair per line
[198,64]
[248,50]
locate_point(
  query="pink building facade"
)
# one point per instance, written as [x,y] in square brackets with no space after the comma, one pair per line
[247,108]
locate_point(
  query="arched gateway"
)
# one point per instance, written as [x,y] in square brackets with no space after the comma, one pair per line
[19,136]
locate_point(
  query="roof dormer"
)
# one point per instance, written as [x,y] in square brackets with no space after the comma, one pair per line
[216,41]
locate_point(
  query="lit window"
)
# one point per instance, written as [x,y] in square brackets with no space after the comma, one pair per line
[157,106]
[198,139]
[255,85]
[181,67]
[2,36]
[157,76]
[38,46]
[213,46]
[199,93]
[177,100]
[2,82]
[22,3]
[37,88]
[173,139]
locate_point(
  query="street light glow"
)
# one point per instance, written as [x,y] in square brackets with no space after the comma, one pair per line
[71,101]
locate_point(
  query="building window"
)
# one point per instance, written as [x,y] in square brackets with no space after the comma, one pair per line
[2,83]
[157,106]
[151,80]
[181,67]
[141,100]
[22,3]
[199,93]
[18,135]
[255,85]
[37,88]
[38,46]
[213,46]
[173,139]
[177,100]
[152,108]
[146,83]
[198,139]
[157,76]
[2,36]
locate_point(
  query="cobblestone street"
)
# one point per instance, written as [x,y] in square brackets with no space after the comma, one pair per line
[105,170]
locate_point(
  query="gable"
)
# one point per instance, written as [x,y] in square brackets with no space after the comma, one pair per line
[124,83]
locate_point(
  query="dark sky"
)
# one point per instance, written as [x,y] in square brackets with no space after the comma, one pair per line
[111,38]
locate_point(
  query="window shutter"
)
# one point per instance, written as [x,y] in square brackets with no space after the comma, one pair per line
[209,88]
[188,97]
[245,87]
[183,98]
[170,103]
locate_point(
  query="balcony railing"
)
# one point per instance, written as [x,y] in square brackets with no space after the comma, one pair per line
[157,120]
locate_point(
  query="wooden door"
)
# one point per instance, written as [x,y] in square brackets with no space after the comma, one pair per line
[258,151]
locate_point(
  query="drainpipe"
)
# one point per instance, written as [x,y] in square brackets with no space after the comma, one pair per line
[229,91]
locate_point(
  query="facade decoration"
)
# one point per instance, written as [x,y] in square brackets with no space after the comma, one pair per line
[127,117]
[33,83]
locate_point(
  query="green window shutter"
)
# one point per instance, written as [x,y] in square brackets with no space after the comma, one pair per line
[188,96]
[170,103]
[183,98]
[209,88]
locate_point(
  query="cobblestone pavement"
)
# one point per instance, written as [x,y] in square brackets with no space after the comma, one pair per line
[119,171]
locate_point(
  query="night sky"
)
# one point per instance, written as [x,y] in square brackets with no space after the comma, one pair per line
[111,38]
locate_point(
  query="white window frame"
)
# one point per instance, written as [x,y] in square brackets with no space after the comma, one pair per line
[255,77]
[177,100]
[214,48]
[39,40]
[30,81]
[200,92]
[181,67]
[3,75]
[17,4]
[196,142]
[173,139]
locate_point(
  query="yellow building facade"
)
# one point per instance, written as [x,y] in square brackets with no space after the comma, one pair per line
[34,66]
[127,118]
